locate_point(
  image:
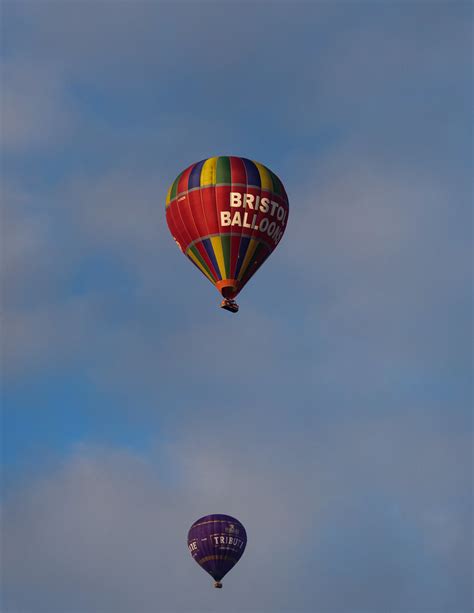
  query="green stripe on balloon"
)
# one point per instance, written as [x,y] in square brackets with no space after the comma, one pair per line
[223,170]
[174,189]
[226,253]
[277,188]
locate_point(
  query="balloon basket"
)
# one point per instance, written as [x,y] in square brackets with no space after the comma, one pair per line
[218,584]
[230,305]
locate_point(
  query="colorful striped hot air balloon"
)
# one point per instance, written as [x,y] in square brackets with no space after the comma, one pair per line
[227,215]
[217,543]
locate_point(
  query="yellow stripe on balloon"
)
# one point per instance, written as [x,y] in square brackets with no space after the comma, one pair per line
[208,172]
[190,254]
[265,177]
[248,256]
[168,195]
[217,246]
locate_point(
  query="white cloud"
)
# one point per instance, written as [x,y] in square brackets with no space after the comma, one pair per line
[107,530]
[47,316]
[24,238]
[384,260]
[379,278]
[34,109]
[373,270]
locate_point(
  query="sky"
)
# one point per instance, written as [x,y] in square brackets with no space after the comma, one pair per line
[332,415]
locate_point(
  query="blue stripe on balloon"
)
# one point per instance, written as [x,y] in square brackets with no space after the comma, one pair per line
[253,176]
[195,176]
[244,243]
[210,252]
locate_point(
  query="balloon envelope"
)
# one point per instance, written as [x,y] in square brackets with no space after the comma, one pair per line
[217,542]
[227,214]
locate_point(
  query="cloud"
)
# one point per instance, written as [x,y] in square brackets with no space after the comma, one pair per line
[379,287]
[24,238]
[330,415]
[156,35]
[366,515]
[35,110]
[105,267]
[57,264]
[383,257]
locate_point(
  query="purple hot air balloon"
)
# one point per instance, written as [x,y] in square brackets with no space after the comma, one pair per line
[217,542]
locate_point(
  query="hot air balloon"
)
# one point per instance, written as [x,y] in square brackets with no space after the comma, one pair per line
[217,542]
[227,215]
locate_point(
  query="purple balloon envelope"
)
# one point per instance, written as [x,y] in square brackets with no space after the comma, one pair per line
[217,542]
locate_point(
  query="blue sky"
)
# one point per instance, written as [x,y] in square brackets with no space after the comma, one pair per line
[332,415]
